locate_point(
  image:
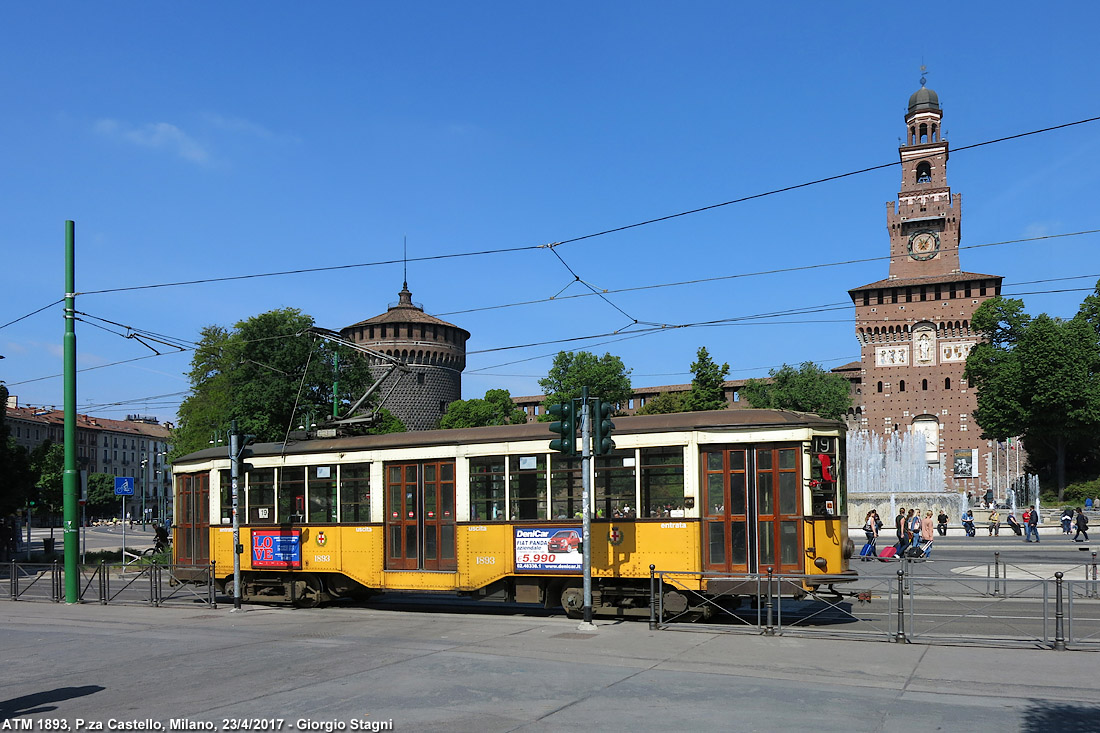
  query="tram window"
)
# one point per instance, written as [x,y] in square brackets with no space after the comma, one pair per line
[527,481]
[739,543]
[226,494]
[788,543]
[662,482]
[321,493]
[261,496]
[355,492]
[767,544]
[291,496]
[613,485]
[565,487]
[487,489]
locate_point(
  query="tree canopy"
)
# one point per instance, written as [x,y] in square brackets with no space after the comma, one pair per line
[606,377]
[806,389]
[15,472]
[706,384]
[497,408]
[663,404]
[1039,378]
[268,377]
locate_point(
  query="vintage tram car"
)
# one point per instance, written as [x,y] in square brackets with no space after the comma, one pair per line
[493,513]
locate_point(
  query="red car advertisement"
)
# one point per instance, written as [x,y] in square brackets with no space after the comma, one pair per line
[539,549]
[277,548]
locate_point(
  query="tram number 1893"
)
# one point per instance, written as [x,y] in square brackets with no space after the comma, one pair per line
[485,560]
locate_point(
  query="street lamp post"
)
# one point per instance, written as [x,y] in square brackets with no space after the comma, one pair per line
[144,462]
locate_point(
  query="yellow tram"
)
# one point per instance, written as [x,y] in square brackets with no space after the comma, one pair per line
[493,513]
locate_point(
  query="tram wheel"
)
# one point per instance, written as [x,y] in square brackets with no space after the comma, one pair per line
[307,591]
[572,601]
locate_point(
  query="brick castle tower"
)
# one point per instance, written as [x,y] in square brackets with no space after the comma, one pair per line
[914,326]
[434,350]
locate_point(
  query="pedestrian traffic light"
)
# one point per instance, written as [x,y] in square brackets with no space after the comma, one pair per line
[602,444]
[565,426]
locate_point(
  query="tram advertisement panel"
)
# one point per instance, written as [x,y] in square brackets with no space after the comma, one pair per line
[548,548]
[277,548]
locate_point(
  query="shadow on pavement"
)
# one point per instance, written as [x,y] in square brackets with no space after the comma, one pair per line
[1042,717]
[39,702]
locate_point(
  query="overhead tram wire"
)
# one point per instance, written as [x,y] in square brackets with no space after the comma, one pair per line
[552,245]
[32,313]
[758,273]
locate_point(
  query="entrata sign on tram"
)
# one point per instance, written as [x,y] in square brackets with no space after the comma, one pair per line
[277,548]
[548,548]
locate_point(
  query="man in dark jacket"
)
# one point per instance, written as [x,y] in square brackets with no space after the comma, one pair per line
[1032,528]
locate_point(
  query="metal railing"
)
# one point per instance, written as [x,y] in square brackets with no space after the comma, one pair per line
[913,606]
[150,584]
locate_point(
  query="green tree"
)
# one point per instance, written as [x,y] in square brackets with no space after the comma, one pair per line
[48,469]
[15,474]
[806,389]
[1038,378]
[706,384]
[497,408]
[663,404]
[101,495]
[606,377]
[268,376]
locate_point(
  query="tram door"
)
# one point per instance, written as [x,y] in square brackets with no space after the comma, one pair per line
[420,516]
[752,511]
[192,513]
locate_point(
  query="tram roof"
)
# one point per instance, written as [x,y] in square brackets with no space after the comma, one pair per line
[718,420]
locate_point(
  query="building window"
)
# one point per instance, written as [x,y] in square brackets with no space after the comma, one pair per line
[924,385]
[901,386]
[947,383]
[880,386]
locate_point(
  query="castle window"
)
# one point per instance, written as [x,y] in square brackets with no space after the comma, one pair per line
[935,134]
[880,386]
[924,133]
[901,386]
[420,377]
[947,383]
[912,136]
[924,172]
[924,384]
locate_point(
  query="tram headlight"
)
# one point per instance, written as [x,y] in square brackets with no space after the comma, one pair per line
[820,562]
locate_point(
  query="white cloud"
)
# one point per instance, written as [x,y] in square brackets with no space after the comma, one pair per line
[245,127]
[156,135]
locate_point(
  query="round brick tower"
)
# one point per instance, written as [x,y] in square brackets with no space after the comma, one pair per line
[434,350]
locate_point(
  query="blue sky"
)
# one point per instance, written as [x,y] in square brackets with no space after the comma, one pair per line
[218,139]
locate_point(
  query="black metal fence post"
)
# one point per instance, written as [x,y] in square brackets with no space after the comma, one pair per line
[103,585]
[1095,592]
[769,630]
[55,582]
[899,636]
[1059,637]
[996,573]
[652,598]
[210,586]
[14,584]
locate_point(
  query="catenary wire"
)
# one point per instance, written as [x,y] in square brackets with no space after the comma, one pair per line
[571,240]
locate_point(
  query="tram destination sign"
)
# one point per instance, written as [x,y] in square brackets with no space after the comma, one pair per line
[277,548]
[541,549]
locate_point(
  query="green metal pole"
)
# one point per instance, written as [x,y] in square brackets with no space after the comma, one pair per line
[71,477]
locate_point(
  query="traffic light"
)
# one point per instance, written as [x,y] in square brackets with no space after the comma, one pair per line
[602,444]
[566,426]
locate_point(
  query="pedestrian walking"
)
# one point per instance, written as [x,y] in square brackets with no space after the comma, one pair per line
[1031,527]
[1082,524]
[870,528]
[899,528]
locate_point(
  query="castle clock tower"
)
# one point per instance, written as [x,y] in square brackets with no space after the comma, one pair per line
[914,326]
